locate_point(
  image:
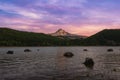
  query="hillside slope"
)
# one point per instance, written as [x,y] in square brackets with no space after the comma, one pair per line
[105,37]
[10,37]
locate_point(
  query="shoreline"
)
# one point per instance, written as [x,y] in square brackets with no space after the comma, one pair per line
[56,46]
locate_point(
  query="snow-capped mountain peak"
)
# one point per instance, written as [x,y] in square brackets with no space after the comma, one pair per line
[63,33]
[60,32]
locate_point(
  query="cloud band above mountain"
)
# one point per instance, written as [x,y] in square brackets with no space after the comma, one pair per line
[84,17]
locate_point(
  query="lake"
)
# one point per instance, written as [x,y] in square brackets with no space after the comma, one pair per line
[48,63]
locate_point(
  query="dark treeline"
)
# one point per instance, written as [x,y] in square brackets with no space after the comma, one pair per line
[107,37]
[10,37]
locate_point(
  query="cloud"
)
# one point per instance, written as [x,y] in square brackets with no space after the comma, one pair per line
[17,10]
[77,16]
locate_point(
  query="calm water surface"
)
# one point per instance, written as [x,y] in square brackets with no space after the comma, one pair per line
[48,63]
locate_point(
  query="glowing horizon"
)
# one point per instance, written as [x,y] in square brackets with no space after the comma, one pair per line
[83,17]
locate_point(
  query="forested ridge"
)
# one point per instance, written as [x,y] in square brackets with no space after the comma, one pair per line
[10,37]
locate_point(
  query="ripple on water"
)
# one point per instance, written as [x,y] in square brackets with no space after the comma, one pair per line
[50,64]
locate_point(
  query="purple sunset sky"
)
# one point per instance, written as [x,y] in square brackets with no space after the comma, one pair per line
[83,17]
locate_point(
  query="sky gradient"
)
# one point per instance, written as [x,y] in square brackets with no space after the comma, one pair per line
[83,17]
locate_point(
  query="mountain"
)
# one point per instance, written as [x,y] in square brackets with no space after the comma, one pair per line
[105,37]
[63,34]
[10,37]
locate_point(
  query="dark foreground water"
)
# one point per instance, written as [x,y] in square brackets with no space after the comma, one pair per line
[48,63]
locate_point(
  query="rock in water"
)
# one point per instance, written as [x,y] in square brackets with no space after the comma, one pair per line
[27,50]
[10,52]
[89,63]
[110,50]
[85,50]
[69,54]
[38,49]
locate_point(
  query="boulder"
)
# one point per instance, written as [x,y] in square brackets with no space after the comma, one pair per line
[10,52]
[27,50]
[68,54]
[110,50]
[85,50]
[89,63]
[38,49]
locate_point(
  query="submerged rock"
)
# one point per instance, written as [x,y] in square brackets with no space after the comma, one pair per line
[110,50]
[114,70]
[68,54]
[10,52]
[27,50]
[89,63]
[85,50]
[38,49]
